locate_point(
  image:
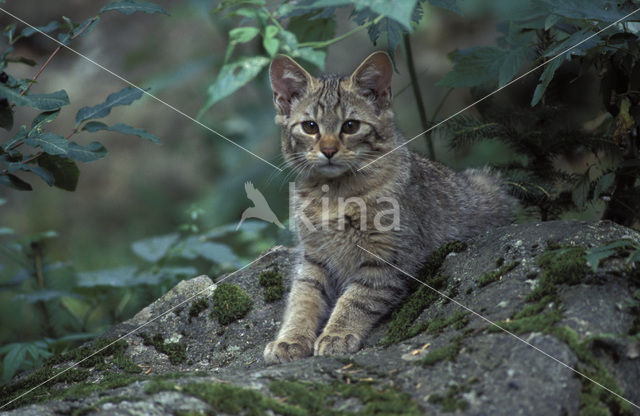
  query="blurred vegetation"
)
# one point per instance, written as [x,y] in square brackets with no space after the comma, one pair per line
[145,217]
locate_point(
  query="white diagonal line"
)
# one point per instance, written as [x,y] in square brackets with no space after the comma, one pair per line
[500,328]
[499,89]
[141,89]
[133,330]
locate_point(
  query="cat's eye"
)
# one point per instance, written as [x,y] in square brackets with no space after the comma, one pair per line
[310,127]
[350,126]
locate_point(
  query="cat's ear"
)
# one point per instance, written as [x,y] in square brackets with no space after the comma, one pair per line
[372,79]
[288,81]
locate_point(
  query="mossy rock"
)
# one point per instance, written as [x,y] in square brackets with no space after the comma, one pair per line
[230,303]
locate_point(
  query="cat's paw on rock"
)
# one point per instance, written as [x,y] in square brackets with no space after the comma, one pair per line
[336,344]
[285,350]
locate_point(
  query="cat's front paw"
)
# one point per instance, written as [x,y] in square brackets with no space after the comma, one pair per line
[285,350]
[336,344]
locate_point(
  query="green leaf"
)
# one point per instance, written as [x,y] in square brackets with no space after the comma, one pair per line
[130,7]
[6,231]
[451,5]
[581,190]
[314,56]
[232,76]
[42,173]
[606,11]
[155,248]
[118,277]
[398,10]
[89,153]
[243,34]
[65,171]
[603,184]
[571,42]
[269,42]
[22,60]
[13,96]
[12,361]
[225,4]
[125,96]
[308,28]
[48,28]
[215,252]
[49,143]
[94,126]
[43,118]
[48,102]
[475,66]
[545,79]
[44,296]
[14,182]
[513,60]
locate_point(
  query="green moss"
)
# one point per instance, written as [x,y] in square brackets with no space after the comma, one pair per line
[271,280]
[320,399]
[198,306]
[452,400]
[99,361]
[436,258]
[50,392]
[295,398]
[230,303]
[174,350]
[401,325]
[594,399]
[560,265]
[500,262]
[536,323]
[458,320]
[111,399]
[449,353]
[496,275]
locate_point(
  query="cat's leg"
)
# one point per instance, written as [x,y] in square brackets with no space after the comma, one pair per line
[370,296]
[306,307]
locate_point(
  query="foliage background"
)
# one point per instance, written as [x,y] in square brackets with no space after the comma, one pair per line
[193,184]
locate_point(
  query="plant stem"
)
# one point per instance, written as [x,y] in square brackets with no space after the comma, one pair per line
[416,92]
[325,43]
[54,53]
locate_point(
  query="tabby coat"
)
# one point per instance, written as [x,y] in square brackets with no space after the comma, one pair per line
[332,127]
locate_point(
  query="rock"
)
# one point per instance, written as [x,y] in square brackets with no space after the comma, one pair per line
[450,360]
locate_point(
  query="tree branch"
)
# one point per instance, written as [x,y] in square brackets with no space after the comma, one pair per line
[54,53]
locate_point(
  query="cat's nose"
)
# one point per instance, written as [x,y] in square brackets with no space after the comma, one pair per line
[329,151]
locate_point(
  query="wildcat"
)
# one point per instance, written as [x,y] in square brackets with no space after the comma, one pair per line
[332,126]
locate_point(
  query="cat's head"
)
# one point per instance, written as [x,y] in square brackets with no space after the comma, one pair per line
[333,125]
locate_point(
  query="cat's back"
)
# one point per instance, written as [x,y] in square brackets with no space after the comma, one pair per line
[448,205]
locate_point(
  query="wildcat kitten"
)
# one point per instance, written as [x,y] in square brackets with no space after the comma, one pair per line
[331,127]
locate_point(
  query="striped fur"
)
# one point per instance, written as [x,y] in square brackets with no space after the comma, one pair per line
[339,291]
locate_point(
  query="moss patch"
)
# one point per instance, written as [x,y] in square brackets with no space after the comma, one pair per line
[112,355]
[452,400]
[198,306]
[47,393]
[560,265]
[401,326]
[594,400]
[295,398]
[321,399]
[174,350]
[496,275]
[271,280]
[449,353]
[230,303]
